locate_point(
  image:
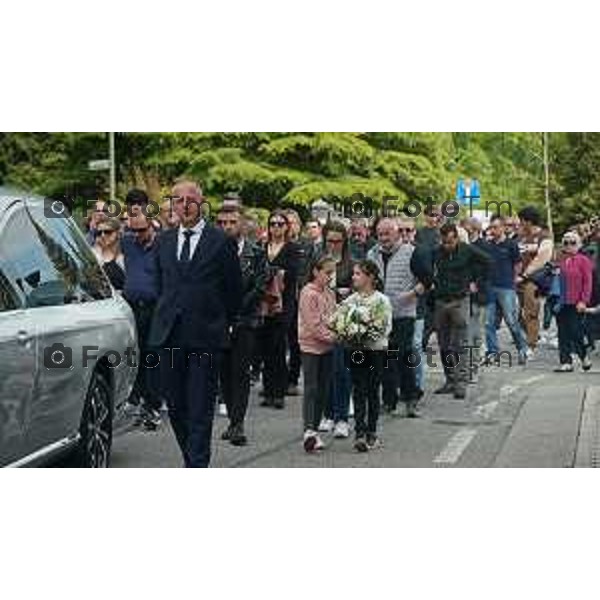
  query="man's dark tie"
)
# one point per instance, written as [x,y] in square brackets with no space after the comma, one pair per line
[187,246]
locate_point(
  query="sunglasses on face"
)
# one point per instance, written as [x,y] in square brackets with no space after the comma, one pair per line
[103,232]
[406,230]
[139,229]
[569,243]
[278,224]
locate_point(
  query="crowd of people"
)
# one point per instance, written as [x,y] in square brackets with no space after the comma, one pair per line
[263,304]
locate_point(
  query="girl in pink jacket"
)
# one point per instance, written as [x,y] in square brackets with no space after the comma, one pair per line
[315,309]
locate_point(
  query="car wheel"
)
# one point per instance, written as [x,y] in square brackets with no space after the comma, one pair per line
[96,425]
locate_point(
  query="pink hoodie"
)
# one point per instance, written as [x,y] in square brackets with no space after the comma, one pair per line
[315,309]
[576,276]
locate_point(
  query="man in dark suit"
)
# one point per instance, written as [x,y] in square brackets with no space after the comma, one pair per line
[201,287]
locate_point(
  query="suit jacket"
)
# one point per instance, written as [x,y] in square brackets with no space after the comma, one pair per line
[205,292]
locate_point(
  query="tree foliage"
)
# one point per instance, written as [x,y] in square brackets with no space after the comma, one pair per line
[271,169]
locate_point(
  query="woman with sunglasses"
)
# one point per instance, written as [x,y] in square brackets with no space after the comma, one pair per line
[107,249]
[282,257]
[576,273]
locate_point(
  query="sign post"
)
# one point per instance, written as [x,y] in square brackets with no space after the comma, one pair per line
[108,164]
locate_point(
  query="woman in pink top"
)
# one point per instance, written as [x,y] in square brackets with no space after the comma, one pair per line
[576,274]
[316,307]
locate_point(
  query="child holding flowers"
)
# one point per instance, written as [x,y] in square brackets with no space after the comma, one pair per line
[364,322]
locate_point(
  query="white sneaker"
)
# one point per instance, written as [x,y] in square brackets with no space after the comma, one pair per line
[564,368]
[530,353]
[351,408]
[341,430]
[326,426]
[312,442]
[222,410]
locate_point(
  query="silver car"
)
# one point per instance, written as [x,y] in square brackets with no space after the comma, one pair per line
[68,345]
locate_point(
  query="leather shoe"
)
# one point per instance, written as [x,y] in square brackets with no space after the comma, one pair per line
[237,437]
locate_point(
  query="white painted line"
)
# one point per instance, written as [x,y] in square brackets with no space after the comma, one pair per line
[455,447]
[532,379]
[506,391]
[485,411]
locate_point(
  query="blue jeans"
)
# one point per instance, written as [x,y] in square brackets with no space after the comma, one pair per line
[418,346]
[507,300]
[341,387]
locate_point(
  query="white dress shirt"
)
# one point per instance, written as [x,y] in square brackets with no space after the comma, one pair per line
[197,230]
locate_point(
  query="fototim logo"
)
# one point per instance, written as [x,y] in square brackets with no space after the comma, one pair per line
[62,208]
[59,356]
[58,208]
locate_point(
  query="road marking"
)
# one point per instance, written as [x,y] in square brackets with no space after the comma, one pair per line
[532,379]
[455,447]
[507,390]
[485,411]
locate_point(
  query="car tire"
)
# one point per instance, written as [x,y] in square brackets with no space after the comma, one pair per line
[95,431]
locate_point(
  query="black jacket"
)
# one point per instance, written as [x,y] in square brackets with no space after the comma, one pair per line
[253,262]
[289,259]
[204,293]
[456,270]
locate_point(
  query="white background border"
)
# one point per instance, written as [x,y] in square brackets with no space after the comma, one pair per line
[307,66]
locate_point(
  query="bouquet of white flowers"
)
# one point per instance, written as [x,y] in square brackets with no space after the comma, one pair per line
[359,323]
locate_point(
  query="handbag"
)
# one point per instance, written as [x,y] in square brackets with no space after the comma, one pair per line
[272,303]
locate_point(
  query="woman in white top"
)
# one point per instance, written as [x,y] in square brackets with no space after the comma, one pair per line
[108,251]
[366,364]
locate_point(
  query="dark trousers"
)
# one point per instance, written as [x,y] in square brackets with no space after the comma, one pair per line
[451,324]
[146,382]
[295,362]
[272,335]
[366,382]
[189,383]
[235,374]
[397,373]
[570,334]
[318,372]
[337,408]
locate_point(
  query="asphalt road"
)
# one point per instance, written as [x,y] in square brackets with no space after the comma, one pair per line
[514,417]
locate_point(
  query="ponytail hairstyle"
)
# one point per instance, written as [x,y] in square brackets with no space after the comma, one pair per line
[368,267]
[319,265]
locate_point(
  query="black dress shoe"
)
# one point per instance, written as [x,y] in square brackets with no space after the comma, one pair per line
[460,394]
[226,435]
[278,403]
[237,437]
[267,402]
[445,389]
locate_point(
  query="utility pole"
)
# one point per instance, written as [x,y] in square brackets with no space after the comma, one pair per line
[113,167]
[547,182]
